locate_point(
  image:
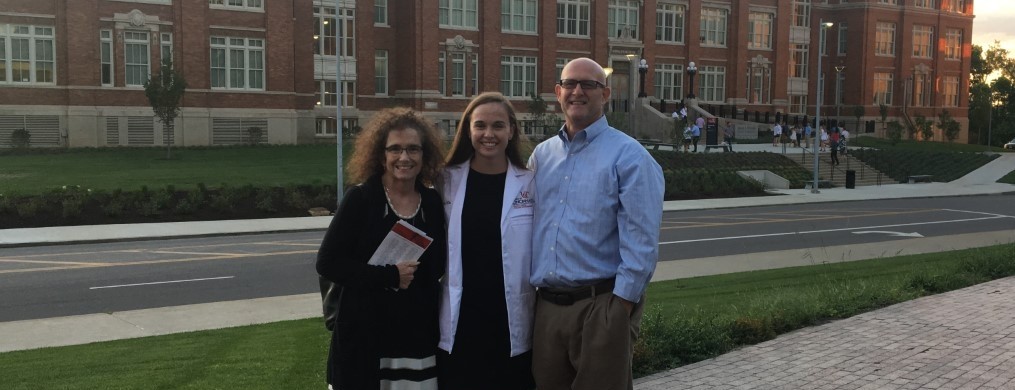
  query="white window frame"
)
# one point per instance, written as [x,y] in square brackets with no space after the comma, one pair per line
[442,70]
[348,93]
[560,63]
[40,56]
[799,60]
[798,104]
[713,83]
[840,83]
[166,46]
[950,91]
[107,70]
[380,12]
[458,73]
[759,85]
[248,48]
[953,44]
[669,81]
[381,72]
[239,5]
[922,93]
[802,13]
[573,18]
[327,93]
[843,39]
[475,73]
[328,22]
[518,76]
[137,68]
[923,41]
[458,14]
[958,6]
[714,24]
[928,4]
[759,30]
[892,2]
[519,16]
[670,22]
[884,40]
[884,83]
[621,14]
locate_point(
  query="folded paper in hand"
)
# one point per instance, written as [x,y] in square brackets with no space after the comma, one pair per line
[403,243]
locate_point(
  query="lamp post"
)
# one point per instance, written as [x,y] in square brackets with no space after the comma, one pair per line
[817,111]
[642,69]
[691,71]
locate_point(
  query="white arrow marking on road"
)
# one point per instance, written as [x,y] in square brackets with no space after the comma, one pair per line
[893,234]
[169,281]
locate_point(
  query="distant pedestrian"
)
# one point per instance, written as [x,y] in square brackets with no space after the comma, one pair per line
[688,135]
[824,139]
[793,137]
[776,134]
[728,133]
[696,133]
[835,146]
[807,134]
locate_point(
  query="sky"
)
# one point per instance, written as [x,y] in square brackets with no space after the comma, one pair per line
[994,22]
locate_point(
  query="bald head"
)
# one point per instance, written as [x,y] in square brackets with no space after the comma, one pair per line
[585,65]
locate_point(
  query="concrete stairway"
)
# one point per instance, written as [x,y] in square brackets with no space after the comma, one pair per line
[865,175]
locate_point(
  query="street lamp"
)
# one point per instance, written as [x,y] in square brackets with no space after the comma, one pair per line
[691,70]
[642,69]
[817,112]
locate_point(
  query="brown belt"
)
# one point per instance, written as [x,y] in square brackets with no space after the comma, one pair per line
[568,296]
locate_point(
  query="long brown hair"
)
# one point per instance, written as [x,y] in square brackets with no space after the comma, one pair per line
[368,158]
[461,147]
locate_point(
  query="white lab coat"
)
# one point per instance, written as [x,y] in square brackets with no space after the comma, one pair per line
[516,254]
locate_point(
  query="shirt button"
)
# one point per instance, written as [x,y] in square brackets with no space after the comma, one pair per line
[562,201]
[566,177]
[551,249]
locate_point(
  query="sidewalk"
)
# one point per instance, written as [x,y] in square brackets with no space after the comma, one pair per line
[961,339]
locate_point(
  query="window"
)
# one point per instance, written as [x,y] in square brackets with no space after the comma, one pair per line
[953,44]
[669,81]
[518,16]
[381,12]
[798,104]
[670,23]
[458,14]
[798,60]
[929,4]
[955,6]
[802,13]
[475,74]
[713,83]
[381,72]
[573,18]
[348,93]
[923,41]
[167,46]
[256,4]
[883,84]
[623,15]
[136,58]
[105,57]
[921,90]
[759,85]
[840,81]
[237,63]
[517,76]
[892,2]
[885,39]
[843,38]
[759,30]
[442,67]
[713,27]
[458,74]
[327,27]
[950,90]
[327,93]
[27,54]
[561,62]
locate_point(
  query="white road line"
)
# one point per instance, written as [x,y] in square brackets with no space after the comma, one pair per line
[831,230]
[168,281]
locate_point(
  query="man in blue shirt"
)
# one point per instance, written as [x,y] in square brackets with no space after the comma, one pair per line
[696,132]
[595,240]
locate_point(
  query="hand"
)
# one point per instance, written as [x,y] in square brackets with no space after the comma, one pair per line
[628,305]
[405,273]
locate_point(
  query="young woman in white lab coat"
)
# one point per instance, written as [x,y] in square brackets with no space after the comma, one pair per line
[487,303]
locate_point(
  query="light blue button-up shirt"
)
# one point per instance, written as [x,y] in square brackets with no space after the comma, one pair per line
[598,213]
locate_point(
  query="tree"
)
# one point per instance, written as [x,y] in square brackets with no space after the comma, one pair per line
[858,111]
[894,132]
[949,126]
[545,120]
[883,111]
[924,126]
[164,92]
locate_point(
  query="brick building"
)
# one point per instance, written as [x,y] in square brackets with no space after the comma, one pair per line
[71,70]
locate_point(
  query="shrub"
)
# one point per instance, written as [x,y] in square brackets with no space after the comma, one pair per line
[265,200]
[254,135]
[28,208]
[21,138]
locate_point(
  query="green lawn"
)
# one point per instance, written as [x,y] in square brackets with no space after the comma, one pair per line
[926,146]
[130,168]
[687,320]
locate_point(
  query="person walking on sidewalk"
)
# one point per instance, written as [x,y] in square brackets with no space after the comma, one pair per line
[728,134]
[385,319]
[834,146]
[487,302]
[776,134]
[595,240]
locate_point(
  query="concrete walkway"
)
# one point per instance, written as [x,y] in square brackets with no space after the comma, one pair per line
[962,339]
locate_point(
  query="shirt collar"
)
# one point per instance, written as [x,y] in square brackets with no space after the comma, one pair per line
[591,132]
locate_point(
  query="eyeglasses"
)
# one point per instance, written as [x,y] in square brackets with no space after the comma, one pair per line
[396,150]
[586,84]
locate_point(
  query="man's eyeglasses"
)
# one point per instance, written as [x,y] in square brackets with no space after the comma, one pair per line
[396,150]
[586,84]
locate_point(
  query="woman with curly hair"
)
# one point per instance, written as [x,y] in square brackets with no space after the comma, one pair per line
[385,322]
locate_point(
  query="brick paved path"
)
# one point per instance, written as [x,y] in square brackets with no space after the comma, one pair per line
[963,339]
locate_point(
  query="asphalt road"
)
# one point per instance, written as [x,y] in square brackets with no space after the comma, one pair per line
[55,281]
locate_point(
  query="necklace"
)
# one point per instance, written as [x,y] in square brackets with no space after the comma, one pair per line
[392,206]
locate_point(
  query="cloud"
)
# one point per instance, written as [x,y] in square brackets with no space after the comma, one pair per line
[993,22]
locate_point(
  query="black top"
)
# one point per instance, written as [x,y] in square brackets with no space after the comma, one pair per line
[483,317]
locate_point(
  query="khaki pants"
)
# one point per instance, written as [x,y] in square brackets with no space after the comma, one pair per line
[585,346]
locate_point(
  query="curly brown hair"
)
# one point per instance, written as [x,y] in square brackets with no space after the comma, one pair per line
[462,149]
[368,158]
